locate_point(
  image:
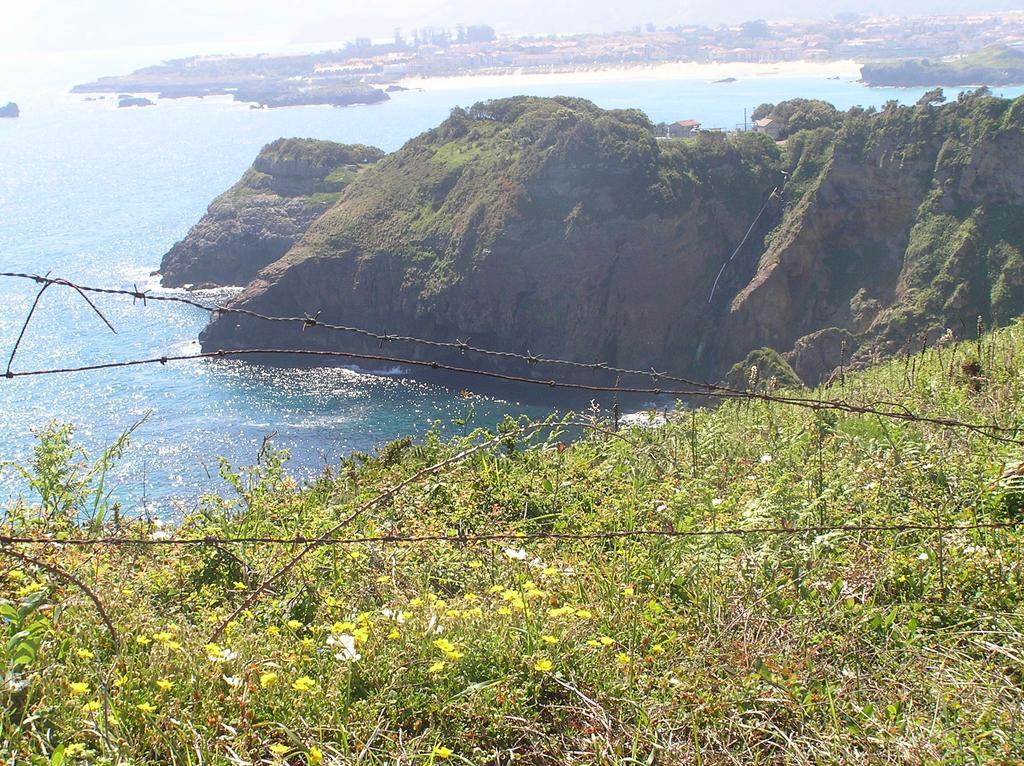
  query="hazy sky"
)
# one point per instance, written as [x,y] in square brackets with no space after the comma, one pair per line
[41,25]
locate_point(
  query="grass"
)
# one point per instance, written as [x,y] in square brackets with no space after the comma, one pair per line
[819,647]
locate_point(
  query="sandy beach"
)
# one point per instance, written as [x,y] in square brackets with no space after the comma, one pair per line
[682,70]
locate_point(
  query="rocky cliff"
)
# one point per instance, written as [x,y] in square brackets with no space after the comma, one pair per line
[291,184]
[552,226]
[911,225]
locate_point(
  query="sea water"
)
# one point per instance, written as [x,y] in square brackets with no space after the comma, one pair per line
[98,194]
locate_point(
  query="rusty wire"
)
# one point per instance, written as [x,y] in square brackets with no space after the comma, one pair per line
[325,540]
[991,431]
[699,388]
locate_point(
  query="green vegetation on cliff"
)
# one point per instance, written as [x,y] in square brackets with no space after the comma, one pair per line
[553,226]
[826,646]
[993,65]
[290,184]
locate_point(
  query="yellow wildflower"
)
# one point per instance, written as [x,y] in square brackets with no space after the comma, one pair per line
[91,706]
[627,592]
[315,756]
[544,665]
[437,667]
[79,687]
[547,639]
[143,640]
[273,630]
[146,707]
[606,640]
[278,749]
[84,654]
[475,564]
[622,658]
[496,589]
[394,634]
[239,585]
[584,614]
[268,679]
[442,752]
[163,637]
[294,625]
[164,684]
[303,684]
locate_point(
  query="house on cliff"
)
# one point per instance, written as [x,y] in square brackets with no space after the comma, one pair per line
[683,128]
[768,126]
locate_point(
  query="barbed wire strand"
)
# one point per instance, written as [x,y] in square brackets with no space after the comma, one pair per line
[469,539]
[63,574]
[702,388]
[991,431]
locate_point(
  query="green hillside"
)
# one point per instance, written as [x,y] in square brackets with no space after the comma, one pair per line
[766,645]
[553,226]
[992,65]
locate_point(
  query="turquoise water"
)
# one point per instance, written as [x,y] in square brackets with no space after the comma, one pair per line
[98,194]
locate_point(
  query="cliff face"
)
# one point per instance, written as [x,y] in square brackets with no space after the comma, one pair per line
[291,184]
[912,227]
[548,225]
[551,226]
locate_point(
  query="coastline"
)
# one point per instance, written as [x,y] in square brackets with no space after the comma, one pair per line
[846,69]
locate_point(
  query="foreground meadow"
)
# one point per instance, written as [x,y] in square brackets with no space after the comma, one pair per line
[786,640]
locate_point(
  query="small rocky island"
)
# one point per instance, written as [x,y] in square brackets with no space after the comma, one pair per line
[124,101]
[10,110]
[255,222]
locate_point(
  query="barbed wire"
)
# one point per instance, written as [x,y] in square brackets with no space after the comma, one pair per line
[469,539]
[700,388]
[333,536]
[991,431]
[312,320]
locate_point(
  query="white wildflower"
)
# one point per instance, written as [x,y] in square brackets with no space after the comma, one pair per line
[346,644]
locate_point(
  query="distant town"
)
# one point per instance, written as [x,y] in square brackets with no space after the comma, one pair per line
[365,70]
[438,52]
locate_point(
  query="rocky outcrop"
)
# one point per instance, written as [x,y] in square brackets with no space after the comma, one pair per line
[10,110]
[290,185]
[553,227]
[527,224]
[913,227]
[127,101]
